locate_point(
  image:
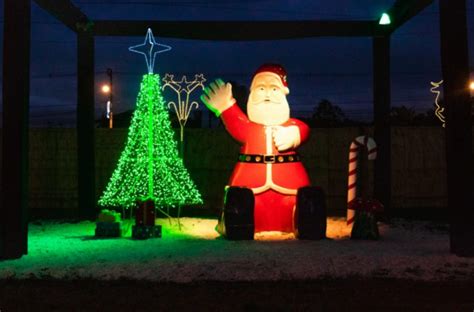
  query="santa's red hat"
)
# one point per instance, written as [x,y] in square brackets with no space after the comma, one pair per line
[273,69]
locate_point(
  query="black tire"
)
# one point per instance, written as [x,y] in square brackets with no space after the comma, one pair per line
[310,215]
[238,214]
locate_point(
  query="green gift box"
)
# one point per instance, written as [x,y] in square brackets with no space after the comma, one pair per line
[108,229]
[146,231]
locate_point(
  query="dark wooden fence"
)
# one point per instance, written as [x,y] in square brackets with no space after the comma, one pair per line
[418,166]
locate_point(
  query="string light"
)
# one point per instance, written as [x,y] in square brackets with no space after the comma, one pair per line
[149,166]
[439,110]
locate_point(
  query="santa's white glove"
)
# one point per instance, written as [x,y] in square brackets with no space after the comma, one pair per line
[286,138]
[218,96]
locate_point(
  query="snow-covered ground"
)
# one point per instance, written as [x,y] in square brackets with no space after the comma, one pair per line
[407,249]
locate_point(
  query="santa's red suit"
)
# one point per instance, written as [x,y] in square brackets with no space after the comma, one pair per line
[276,180]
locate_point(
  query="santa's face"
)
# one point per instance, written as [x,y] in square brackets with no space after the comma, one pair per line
[267,104]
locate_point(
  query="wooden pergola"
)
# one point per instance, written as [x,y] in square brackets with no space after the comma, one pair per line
[16,72]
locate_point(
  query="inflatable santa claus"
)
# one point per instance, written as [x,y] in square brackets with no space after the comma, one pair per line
[269,189]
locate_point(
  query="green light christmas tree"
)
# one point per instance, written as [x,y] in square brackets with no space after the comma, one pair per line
[149,167]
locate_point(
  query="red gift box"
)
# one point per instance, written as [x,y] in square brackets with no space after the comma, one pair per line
[145,214]
[367,205]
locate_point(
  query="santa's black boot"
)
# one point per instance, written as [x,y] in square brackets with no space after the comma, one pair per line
[310,214]
[238,218]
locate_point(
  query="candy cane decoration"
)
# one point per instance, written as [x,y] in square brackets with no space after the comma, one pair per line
[371,146]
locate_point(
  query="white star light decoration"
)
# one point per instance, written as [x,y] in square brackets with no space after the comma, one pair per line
[183,89]
[149,49]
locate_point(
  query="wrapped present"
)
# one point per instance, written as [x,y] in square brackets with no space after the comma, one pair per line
[365,226]
[106,215]
[108,229]
[368,205]
[365,219]
[146,231]
[145,213]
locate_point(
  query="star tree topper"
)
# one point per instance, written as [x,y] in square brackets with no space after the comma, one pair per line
[149,49]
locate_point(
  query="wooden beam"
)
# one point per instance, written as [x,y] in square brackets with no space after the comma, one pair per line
[236,30]
[455,68]
[404,10]
[382,129]
[67,13]
[85,125]
[16,93]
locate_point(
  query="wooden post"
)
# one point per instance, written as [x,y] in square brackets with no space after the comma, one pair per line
[244,30]
[85,125]
[16,93]
[455,67]
[382,131]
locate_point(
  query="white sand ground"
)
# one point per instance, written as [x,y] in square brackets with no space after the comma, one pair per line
[407,250]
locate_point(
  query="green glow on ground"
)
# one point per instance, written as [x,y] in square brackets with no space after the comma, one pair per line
[69,251]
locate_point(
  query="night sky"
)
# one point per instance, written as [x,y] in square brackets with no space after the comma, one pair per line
[338,69]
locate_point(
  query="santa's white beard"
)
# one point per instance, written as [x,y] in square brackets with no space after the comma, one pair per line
[268,113]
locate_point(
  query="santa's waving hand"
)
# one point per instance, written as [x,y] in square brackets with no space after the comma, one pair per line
[218,96]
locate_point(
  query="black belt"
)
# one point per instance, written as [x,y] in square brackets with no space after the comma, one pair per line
[268,159]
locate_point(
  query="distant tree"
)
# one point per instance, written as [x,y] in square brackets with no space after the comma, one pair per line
[326,114]
[430,118]
[123,119]
[404,116]
[120,120]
